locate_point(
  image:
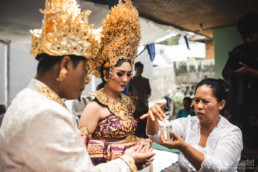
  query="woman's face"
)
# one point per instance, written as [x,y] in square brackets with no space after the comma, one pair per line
[76,79]
[206,106]
[120,77]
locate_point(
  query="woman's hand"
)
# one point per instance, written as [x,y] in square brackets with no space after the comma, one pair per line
[194,156]
[176,143]
[155,112]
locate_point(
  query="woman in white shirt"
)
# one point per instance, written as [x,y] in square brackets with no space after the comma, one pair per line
[207,141]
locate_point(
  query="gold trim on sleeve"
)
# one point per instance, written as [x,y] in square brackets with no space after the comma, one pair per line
[130,162]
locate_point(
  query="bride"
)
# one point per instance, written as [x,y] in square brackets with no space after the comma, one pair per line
[107,124]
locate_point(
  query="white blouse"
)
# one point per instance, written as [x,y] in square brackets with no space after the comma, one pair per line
[223,147]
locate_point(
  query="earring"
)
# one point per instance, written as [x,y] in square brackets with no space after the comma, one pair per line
[106,78]
[62,74]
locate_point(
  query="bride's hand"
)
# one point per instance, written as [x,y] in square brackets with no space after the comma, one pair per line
[145,142]
[142,155]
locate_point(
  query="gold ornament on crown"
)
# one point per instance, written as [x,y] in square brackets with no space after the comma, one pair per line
[65,31]
[120,37]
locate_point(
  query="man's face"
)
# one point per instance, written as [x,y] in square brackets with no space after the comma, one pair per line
[76,80]
[250,38]
[138,70]
[186,104]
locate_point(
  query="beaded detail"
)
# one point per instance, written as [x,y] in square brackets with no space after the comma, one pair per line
[65,31]
[50,94]
[120,37]
[120,109]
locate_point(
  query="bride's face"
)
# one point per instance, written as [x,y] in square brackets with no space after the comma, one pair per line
[120,77]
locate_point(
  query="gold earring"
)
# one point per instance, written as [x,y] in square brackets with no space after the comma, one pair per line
[106,78]
[62,74]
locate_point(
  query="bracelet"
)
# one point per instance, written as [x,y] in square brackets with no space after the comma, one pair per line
[83,130]
[130,162]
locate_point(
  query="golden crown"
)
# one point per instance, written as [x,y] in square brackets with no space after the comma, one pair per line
[65,31]
[120,37]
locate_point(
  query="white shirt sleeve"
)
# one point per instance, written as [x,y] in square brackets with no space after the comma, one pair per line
[226,155]
[54,141]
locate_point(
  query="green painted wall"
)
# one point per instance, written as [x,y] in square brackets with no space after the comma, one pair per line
[225,39]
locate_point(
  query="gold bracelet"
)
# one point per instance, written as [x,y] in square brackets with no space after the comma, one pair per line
[130,162]
[83,130]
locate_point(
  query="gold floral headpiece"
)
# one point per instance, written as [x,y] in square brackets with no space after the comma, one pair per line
[120,37]
[65,31]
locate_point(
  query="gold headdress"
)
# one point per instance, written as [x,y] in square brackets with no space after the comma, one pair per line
[120,37]
[65,31]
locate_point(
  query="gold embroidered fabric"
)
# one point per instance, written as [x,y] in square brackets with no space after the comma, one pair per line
[130,139]
[130,162]
[113,129]
[120,37]
[120,109]
[50,94]
[83,130]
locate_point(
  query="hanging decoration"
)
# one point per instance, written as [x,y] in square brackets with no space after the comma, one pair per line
[151,51]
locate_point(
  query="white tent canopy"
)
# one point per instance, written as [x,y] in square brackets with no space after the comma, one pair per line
[25,15]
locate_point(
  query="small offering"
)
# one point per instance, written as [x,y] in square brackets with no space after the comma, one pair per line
[166,128]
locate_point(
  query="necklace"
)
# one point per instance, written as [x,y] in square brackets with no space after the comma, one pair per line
[118,108]
[50,94]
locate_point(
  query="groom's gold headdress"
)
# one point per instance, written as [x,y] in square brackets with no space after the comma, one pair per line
[120,37]
[65,31]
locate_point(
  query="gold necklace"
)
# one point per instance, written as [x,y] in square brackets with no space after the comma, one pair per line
[120,108]
[50,94]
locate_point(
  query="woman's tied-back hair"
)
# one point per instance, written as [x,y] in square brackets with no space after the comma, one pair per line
[219,87]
